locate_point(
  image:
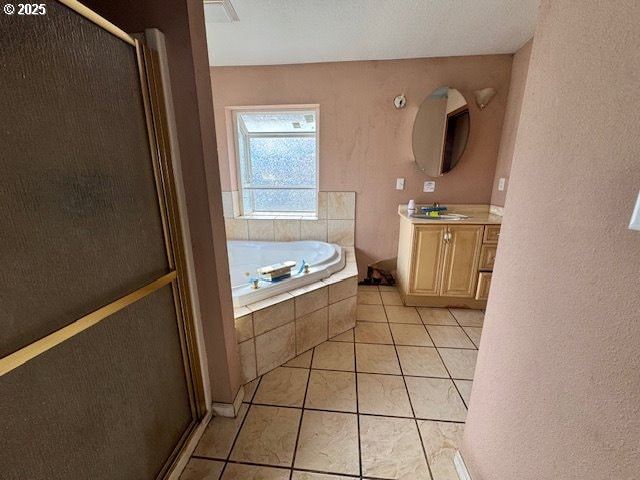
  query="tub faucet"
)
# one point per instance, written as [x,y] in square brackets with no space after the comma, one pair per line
[306,268]
[254,283]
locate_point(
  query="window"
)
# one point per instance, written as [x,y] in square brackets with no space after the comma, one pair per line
[277,152]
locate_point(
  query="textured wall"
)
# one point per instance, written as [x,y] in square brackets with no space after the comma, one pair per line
[512,112]
[182,23]
[558,375]
[365,142]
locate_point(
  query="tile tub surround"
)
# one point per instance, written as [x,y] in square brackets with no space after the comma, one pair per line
[339,411]
[273,331]
[335,221]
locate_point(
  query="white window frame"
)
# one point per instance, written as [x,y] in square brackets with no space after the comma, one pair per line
[237,124]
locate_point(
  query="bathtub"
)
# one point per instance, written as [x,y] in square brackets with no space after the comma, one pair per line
[245,257]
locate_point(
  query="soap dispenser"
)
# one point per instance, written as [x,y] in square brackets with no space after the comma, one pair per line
[411,207]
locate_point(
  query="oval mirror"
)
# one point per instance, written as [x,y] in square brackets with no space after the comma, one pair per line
[440,131]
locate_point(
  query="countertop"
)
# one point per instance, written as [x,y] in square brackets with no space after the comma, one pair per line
[478,215]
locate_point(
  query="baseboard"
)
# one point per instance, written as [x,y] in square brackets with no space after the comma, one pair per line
[461,468]
[189,448]
[229,409]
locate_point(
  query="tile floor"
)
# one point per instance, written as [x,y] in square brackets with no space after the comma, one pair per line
[387,400]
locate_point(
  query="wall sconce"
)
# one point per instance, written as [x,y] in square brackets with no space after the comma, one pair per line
[484,96]
[400,101]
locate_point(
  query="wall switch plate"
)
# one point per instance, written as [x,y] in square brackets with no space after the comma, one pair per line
[429,187]
[501,183]
[635,217]
[399,183]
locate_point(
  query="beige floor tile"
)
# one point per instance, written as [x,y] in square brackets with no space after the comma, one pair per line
[268,436]
[328,442]
[371,296]
[435,399]
[199,469]
[368,288]
[283,386]
[302,361]
[474,334]
[391,298]
[218,437]
[467,317]
[371,313]
[421,362]
[464,387]
[367,332]
[383,395]
[460,363]
[235,471]
[441,441]
[377,359]
[329,390]
[454,337]
[436,316]
[343,337]
[334,356]
[405,334]
[317,476]
[391,449]
[397,314]
[250,390]
[387,288]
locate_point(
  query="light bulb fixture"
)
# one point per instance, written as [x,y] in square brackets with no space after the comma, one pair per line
[400,101]
[484,96]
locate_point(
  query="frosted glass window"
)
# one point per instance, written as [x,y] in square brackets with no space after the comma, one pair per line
[278,161]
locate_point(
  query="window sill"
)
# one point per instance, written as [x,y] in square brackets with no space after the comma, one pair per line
[280,216]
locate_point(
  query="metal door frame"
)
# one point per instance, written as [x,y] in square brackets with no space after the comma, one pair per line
[156,123]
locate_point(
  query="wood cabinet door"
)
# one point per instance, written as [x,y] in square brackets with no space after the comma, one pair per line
[462,254]
[487,257]
[491,234]
[484,283]
[428,252]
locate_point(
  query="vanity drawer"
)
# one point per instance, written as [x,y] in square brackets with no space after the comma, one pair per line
[484,283]
[487,257]
[491,234]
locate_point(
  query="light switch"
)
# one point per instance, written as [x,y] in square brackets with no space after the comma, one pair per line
[635,217]
[399,183]
[501,184]
[429,187]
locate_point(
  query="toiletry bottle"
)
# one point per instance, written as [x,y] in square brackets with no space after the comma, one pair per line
[411,207]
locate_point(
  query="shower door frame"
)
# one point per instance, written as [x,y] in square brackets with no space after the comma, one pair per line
[148,64]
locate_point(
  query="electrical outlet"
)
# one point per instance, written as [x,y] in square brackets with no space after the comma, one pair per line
[501,183]
[635,217]
[429,187]
[399,183]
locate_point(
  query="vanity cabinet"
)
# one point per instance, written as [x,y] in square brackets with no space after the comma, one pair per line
[445,264]
[449,256]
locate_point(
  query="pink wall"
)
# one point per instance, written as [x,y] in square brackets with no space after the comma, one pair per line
[365,143]
[557,389]
[518,81]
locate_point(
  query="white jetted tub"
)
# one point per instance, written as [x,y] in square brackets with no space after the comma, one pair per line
[246,257]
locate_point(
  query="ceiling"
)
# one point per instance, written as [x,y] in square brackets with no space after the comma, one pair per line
[273,32]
